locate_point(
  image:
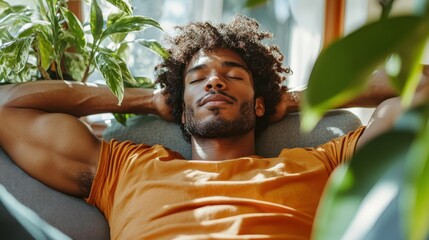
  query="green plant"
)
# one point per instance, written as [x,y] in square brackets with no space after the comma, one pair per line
[57,43]
[395,165]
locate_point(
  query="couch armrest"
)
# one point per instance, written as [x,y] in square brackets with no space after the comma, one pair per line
[71,215]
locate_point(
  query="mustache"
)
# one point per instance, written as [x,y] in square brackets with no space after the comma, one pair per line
[212,92]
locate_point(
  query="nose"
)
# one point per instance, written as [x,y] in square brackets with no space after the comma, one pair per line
[214,82]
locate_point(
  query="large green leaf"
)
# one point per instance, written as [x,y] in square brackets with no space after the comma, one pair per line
[348,206]
[128,24]
[124,5]
[342,69]
[155,46]
[357,195]
[75,27]
[96,20]
[415,197]
[418,215]
[111,71]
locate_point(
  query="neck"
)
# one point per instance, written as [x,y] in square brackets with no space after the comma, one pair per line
[223,148]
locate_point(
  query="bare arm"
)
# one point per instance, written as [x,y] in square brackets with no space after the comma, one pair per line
[378,89]
[41,131]
[389,110]
[78,99]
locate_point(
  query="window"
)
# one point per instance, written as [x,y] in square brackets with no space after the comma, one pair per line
[297,28]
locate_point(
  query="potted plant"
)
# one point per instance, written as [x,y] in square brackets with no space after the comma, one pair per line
[57,46]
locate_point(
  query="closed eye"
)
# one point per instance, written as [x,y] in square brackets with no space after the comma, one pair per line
[234,77]
[196,80]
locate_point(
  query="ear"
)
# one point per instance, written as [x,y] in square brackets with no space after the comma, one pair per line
[259,107]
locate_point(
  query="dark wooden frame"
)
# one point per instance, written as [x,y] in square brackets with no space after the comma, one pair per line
[334,20]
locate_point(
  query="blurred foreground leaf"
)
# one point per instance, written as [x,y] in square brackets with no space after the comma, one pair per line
[358,194]
[342,69]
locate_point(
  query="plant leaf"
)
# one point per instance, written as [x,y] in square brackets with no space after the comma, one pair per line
[45,50]
[341,70]
[415,197]
[356,196]
[419,214]
[5,36]
[408,78]
[75,63]
[12,19]
[123,117]
[29,29]
[19,10]
[113,17]
[144,82]
[125,72]
[128,24]
[111,71]
[123,51]
[124,5]
[3,5]
[75,27]
[254,3]
[96,20]
[352,192]
[155,47]
[14,56]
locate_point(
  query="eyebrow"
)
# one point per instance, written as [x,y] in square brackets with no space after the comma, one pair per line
[224,64]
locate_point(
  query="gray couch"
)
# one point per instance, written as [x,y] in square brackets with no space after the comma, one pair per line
[79,220]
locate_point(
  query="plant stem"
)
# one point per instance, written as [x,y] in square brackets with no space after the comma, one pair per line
[55,42]
[91,56]
[86,73]
[386,6]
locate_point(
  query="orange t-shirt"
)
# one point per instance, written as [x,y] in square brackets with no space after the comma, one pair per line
[150,192]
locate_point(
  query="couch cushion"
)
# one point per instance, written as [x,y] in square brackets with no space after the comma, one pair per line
[151,130]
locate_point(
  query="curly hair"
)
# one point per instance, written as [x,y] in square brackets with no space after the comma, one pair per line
[241,35]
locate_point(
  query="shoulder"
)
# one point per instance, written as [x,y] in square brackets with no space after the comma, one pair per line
[332,153]
[120,149]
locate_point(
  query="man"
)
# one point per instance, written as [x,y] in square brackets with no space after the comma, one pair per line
[223,86]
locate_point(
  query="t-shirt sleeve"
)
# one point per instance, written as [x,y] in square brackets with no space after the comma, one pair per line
[118,163]
[338,150]
[113,161]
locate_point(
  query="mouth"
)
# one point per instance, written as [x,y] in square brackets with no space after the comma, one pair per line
[216,99]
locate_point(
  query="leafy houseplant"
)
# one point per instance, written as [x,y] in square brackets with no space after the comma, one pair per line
[390,175]
[57,43]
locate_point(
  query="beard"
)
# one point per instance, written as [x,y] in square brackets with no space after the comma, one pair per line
[218,127]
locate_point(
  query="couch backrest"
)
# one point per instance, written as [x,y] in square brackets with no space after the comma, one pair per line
[151,130]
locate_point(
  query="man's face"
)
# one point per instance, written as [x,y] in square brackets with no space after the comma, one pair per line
[219,96]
